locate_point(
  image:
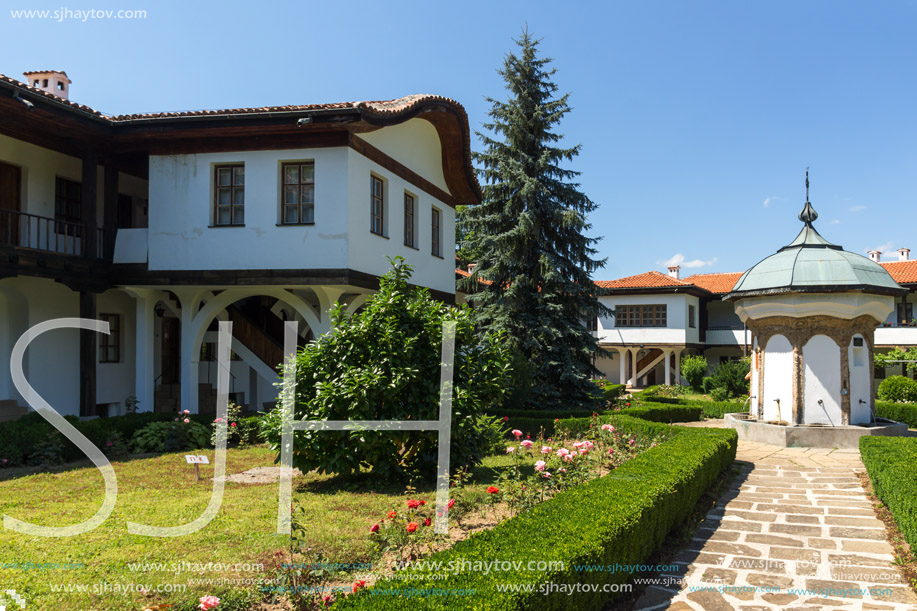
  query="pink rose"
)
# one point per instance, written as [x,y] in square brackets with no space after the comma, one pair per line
[186,412]
[607,427]
[187,421]
[545,449]
[526,443]
[209,602]
[517,433]
[510,450]
[539,466]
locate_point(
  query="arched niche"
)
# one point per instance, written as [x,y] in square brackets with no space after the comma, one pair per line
[821,382]
[778,379]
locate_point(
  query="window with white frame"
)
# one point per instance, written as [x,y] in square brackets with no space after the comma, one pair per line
[229,196]
[298,205]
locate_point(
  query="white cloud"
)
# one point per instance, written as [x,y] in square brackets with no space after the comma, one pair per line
[857,208]
[771,199]
[835,222]
[884,248]
[679,259]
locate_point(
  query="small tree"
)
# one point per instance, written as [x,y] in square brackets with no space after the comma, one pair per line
[384,364]
[694,368]
[730,375]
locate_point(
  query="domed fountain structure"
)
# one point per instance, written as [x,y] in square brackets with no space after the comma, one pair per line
[813,308]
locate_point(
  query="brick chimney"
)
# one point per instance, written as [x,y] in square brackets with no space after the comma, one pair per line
[50,81]
[875,255]
[904,254]
[675,271]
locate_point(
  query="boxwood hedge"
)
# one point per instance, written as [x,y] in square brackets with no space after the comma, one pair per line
[890,464]
[901,412]
[620,518]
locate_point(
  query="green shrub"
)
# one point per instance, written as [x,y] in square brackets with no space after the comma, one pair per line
[707,384]
[898,389]
[719,394]
[532,422]
[174,436]
[664,412]
[613,392]
[619,519]
[890,463]
[730,375]
[694,368]
[717,409]
[900,412]
[383,363]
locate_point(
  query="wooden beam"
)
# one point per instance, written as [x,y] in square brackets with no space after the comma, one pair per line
[89,195]
[88,343]
[110,209]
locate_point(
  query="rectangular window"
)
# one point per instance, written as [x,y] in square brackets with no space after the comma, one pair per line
[68,204]
[377,206]
[691,316]
[229,195]
[437,233]
[905,313]
[592,324]
[298,193]
[409,214]
[641,316]
[110,345]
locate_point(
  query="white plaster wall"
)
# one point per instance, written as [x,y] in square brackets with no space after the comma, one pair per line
[755,377]
[368,251]
[821,381]
[860,370]
[610,366]
[415,143]
[675,332]
[115,381]
[14,321]
[181,214]
[778,379]
[722,313]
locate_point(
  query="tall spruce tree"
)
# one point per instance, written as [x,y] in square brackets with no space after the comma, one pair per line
[528,235]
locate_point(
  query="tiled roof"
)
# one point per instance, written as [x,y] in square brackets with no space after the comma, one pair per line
[903,272]
[376,107]
[652,279]
[715,283]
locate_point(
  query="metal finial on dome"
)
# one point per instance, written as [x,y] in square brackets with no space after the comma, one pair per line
[808,214]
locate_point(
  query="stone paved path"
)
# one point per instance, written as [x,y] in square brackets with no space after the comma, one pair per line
[795,519]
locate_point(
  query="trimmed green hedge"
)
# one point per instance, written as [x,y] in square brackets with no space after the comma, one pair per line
[890,464]
[901,412]
[664,412]
[620,518]
[531,421]
[712,409]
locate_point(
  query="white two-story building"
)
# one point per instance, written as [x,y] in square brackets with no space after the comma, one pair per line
[163,224]
[657,318]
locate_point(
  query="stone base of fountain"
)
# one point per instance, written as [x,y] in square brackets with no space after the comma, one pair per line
[809,435]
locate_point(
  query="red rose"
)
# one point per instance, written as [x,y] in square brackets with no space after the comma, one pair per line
[412,504]
[422,503]
[412,527]
[505,418]
[233,424]
[392,515]
[374,528]
[450,503]
[427,522]
[358,584]
[492,490]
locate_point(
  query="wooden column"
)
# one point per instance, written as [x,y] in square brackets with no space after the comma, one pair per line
[798,385]
[110,209]
[88,343]
[89,195]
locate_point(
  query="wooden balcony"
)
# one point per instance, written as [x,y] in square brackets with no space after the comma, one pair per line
[40,233]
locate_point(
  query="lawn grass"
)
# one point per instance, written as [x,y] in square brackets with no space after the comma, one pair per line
[162,491]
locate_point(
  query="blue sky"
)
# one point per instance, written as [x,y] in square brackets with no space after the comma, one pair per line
[697,119]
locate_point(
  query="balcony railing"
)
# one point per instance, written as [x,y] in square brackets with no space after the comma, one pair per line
[35,232]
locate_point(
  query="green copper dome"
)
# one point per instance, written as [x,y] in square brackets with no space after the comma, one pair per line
[812,264]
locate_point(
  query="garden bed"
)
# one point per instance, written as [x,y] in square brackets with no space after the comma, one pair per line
[890,463]
[616,519]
